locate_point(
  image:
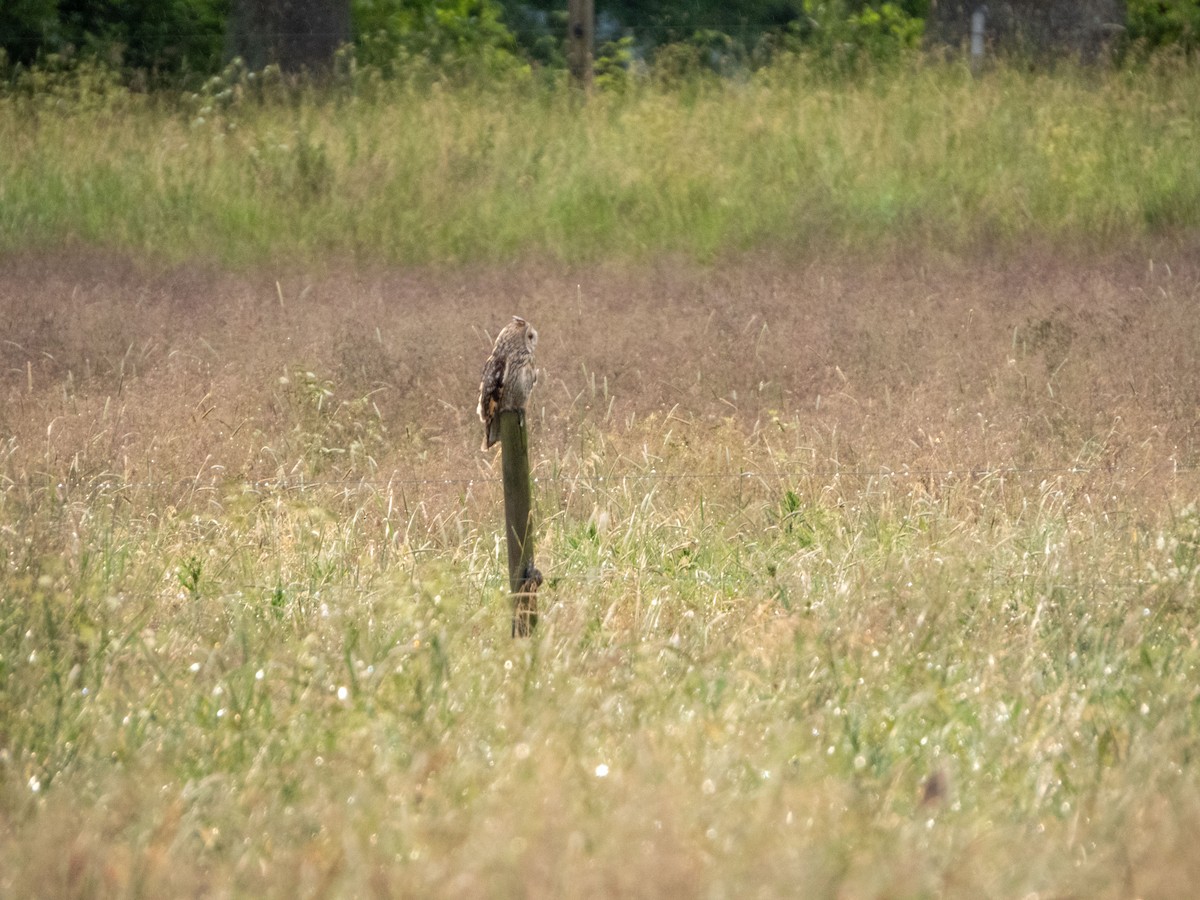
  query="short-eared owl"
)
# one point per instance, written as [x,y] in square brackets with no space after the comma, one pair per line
[508,376]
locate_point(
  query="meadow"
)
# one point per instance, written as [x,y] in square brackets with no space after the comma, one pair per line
[916,154]
[871,553]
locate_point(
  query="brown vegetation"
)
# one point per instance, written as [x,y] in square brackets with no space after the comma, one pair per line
[1033,361]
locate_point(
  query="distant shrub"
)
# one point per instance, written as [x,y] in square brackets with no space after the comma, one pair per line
[1152,24]
[69,85]
[155,42]
[843,41]
[615,65]
[454,37]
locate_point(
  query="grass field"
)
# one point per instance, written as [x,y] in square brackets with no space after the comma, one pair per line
[866,449]
[917,156]
[866,577]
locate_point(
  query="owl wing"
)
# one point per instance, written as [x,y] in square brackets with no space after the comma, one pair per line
[491,387]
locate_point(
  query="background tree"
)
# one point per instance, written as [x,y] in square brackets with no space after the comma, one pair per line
[26,27]
[1158,23]
[296,35]
[162,40]
[180,42]
[722,35]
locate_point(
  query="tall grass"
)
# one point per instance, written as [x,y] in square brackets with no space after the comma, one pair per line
[921,155]
[841,690]
[862,580]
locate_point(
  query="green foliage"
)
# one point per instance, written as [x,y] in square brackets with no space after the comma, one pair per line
[64,85]
[179,42]
[456,37]
[1154,24]
[662,23]
[840,37]
[841,40]
[706,52]
[885,30]
[189,573]
[614,65]
[26,28]
[153,42]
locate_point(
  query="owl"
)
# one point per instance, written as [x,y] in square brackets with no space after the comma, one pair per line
[508,376]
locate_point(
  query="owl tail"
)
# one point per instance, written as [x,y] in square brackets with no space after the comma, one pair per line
[493,433]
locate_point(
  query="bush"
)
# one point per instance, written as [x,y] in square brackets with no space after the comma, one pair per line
[464,37]
[155,42]
[25,27]
[1151,25]
[844,41]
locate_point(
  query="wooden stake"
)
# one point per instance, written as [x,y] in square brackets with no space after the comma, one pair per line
[523,578]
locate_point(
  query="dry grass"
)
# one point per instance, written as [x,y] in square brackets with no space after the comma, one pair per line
[865,578]
[1027,361]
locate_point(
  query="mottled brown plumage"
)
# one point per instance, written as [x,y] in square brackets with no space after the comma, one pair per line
[508,376]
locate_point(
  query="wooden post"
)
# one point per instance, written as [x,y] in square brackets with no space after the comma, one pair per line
[523,578]
[581,30]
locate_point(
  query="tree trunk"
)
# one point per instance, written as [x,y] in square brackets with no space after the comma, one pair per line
[296,35]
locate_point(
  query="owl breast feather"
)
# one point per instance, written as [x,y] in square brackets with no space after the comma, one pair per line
[519,380]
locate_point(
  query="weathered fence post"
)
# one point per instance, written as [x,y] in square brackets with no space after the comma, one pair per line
[523,578]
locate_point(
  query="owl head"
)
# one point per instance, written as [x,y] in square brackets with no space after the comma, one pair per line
[531,335]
